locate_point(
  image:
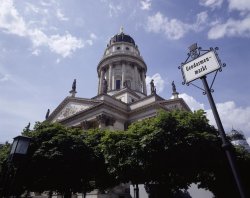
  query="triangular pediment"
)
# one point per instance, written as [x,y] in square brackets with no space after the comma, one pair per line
[71,106]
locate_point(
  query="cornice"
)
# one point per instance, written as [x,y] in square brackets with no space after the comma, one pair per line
[66,101]
[93,109]
[124,90]
[121,57]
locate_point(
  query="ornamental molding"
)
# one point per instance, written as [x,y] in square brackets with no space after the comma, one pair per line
[117,58]
[103,105]
[105,119]
[69,99]
[176,101]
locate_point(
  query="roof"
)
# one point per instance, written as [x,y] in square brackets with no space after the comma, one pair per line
[121,37]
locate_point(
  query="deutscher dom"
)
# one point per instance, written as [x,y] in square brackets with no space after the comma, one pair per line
[121,99]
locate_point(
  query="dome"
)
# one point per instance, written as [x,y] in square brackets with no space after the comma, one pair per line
[121,37]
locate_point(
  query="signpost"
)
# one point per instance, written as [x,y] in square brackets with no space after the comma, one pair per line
[199,67]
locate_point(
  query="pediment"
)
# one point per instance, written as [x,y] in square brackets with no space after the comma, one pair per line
[173,104]
[71,109]
[71,106]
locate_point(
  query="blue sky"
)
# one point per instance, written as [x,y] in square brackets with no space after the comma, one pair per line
[46,44]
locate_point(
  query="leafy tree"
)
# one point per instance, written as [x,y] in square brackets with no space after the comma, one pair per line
[172,150]
[59,160]
[4,152]
[166,153]
[102,177]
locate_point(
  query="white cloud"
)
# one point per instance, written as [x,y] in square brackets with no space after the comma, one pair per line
[232,28]
[191,102]
[241,5]
[174,28]
[64,45]
[114,9]
[145,4]
[248,140]
[211,3]
[61,16]
[201,18]
[11,22]
[158,82]
[93,36]
[89,42]
[4,77]
[232,116]
[31,8]
[36,52]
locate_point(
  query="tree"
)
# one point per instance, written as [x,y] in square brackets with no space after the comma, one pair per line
[4,152]
[102,177]
[59,160]
[171,151]
[166,153]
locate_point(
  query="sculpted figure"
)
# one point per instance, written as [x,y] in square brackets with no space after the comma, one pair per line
[104,86]
[74,85]
[47,114]
[173,87]
[152,86]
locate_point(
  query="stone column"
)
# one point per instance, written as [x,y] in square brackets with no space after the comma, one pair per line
[85,125]
[135,77]
[105,120]
[110,78]
[123,74]
[100,82]
[113,78]
[144,82]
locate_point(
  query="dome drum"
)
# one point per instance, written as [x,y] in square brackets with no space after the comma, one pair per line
[122,67]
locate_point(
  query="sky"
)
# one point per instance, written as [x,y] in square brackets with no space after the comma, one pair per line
[46,44]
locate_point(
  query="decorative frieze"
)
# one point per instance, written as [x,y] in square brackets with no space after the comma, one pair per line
[105,120]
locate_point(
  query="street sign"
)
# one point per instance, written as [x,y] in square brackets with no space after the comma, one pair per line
[200,66]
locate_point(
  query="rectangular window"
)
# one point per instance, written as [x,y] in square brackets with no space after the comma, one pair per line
[118,84]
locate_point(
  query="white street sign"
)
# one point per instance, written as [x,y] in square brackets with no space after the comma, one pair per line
[200,66]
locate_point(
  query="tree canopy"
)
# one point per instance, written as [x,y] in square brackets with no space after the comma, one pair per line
[166,153]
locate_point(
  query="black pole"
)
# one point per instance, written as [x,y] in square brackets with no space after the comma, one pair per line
[225,144]
[136,191]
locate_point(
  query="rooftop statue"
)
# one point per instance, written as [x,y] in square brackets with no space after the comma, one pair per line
[152,86]
[173,87]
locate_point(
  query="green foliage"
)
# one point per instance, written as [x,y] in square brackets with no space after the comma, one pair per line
[4,151]
[173,149]
[59,160]
[167,152]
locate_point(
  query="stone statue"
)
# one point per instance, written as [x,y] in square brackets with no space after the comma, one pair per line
[125,84]
[73,90]
[74,85]
[152,86]
[104,86]
[173,87]
[27,128]
[47,114]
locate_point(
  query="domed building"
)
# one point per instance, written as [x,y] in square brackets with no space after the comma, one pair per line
[238,139]
[121,99]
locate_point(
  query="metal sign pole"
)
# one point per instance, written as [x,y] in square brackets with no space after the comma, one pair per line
[205,62]
[225,144]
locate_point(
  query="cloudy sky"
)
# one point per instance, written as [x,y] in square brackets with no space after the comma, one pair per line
[46,44]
